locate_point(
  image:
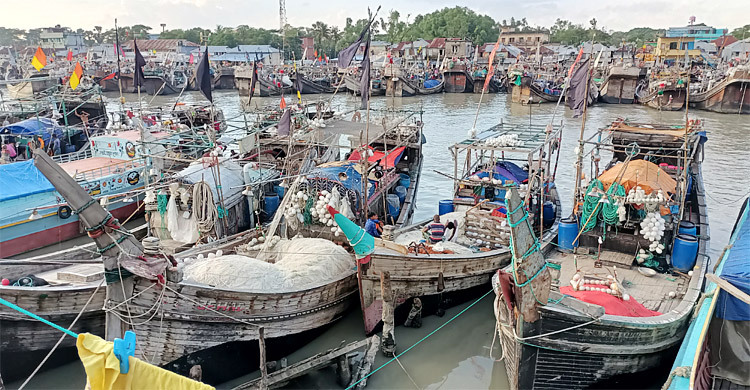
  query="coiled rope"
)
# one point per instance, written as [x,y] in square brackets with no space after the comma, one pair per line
[204,207]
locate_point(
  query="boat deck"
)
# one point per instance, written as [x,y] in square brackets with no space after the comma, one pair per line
[96,167]
[651,291]
[74,275]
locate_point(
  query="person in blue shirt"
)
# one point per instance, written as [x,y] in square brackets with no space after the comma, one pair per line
[372,226]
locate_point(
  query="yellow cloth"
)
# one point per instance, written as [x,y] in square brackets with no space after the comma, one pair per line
[640,173]
[103,369]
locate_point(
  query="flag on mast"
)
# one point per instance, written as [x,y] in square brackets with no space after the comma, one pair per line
[138,78]
[491,70]
[203,77]
[75,78]
[39,60]
[347,55]
[70,55]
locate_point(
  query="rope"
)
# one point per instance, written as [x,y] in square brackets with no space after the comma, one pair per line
[590,210]
[61,337]
[407,374]
[683,371]
[85,206]
[609,213]
[204,207]
[420,341]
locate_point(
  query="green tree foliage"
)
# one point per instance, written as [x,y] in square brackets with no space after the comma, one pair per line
[569,33]
[457,22]
[394,28]
[742,32]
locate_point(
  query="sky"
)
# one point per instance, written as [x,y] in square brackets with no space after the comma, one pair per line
[610,14]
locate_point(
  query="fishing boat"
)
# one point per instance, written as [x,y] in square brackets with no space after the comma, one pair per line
[525,91]
[164,81]
[708,358]
[352,83]
[224,78]
[729,96]
[665,92]
[431,86]
[483,167]
[619,84]
[457,79]
[616,295]
[66,294]
[397,83]
[314,86]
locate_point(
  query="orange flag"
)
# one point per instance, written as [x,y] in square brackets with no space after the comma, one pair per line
[578,58]
[282,104]
[75,78]
[39,60]
[491,70]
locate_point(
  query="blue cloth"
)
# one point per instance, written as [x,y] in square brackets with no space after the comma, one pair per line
[21,179]
[371,227]
[737,271]
[43,127]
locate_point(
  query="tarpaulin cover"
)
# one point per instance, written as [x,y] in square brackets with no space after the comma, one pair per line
[44,127]
[393,157]
[640,173]
[232,179]
[431,83]
[22,179]
[737,272]
[506,171]
[344,172]
[612,305]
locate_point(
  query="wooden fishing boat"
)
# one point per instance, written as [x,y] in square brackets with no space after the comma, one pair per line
[707,358]
[728,96]
[666,93]
[313,87]
[458,79]
[438,275]
[526,92]
[397,84]
[620,83]
[432,90]
[353,85]
[180,324]
[224,78]
[164,82]
[70,290]
[559,327]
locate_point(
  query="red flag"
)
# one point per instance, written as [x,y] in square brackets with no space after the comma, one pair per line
[326,58]
[110,76]
[490,71]
[580,53]
[70,55]
[316,53]
[190,61]
[319,59]
[282,104]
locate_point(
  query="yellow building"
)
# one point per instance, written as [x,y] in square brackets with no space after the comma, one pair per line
[674,48]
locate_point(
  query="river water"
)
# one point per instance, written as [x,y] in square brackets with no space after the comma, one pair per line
[461,354]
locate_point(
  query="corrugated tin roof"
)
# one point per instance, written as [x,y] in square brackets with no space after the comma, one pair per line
[159,44]
[437,43]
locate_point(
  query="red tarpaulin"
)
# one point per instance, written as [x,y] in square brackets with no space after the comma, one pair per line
[393,157]
[612,305]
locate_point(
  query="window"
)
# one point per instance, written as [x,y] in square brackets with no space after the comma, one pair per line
[503,40]
[673,46]
[511,40]
[520,39]
[538,39]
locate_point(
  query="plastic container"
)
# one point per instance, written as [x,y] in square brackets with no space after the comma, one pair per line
[684,252]
[401,192]
[270,205]
[445,206]
[687,227]
[404,180]
[548,213]
[279,190]
[394,206]
[567,233]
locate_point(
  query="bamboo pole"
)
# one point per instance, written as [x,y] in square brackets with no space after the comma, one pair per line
[263,369]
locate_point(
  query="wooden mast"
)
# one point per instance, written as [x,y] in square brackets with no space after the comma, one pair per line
[113,244]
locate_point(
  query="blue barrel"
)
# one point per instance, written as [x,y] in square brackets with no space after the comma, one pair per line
[404,180]
[401,192]
[567,233]
[548,213]
[684,252]
[687,227]
[445,206]
[270,205]
[394,206]
[279,190]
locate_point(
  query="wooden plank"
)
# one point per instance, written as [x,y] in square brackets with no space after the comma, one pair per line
[729,288]
[303,367]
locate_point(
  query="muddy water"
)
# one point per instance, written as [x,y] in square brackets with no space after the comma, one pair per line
[460,355]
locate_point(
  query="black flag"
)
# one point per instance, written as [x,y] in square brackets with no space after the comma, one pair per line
[577,88]
[203,77]
[253,80]
[285,123]
[138,77]
[364,81]
[347,55]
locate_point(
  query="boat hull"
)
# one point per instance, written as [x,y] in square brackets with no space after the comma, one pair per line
[618,90]
[670,100]
[458,81]
[734,98]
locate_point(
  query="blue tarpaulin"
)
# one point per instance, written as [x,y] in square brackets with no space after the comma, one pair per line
[43,127]
[431,83]
[737,272]
[344,172]
[22,179]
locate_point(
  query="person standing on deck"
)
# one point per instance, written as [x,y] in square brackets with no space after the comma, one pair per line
[54,146]
[84,120]
[372,226]
[435,229]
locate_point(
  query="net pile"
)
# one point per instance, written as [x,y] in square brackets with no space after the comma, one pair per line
[290,265]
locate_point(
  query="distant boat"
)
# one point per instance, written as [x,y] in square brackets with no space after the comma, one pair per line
[729,96]
[620,83]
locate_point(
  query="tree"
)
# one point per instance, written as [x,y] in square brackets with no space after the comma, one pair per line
[456,22]
[393,28]
[742,32]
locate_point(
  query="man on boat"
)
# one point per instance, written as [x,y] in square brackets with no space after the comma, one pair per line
[372,226]
[435,229]
[54,147]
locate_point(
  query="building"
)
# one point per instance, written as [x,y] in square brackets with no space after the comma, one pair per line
[707,48]
[160,47]
[675,48]
[60,40]
[450,47]
[737,50]
[523,40]
[268,54]
[308,48]
[700,32]
[415,49]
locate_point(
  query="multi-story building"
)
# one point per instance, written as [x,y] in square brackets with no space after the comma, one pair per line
[675,48]
[700,32]
[523,40]
[59,40]
[308,48]
[450,47]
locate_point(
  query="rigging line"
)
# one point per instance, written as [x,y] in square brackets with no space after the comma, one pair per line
[61,337]
[420,340]
[407,374]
